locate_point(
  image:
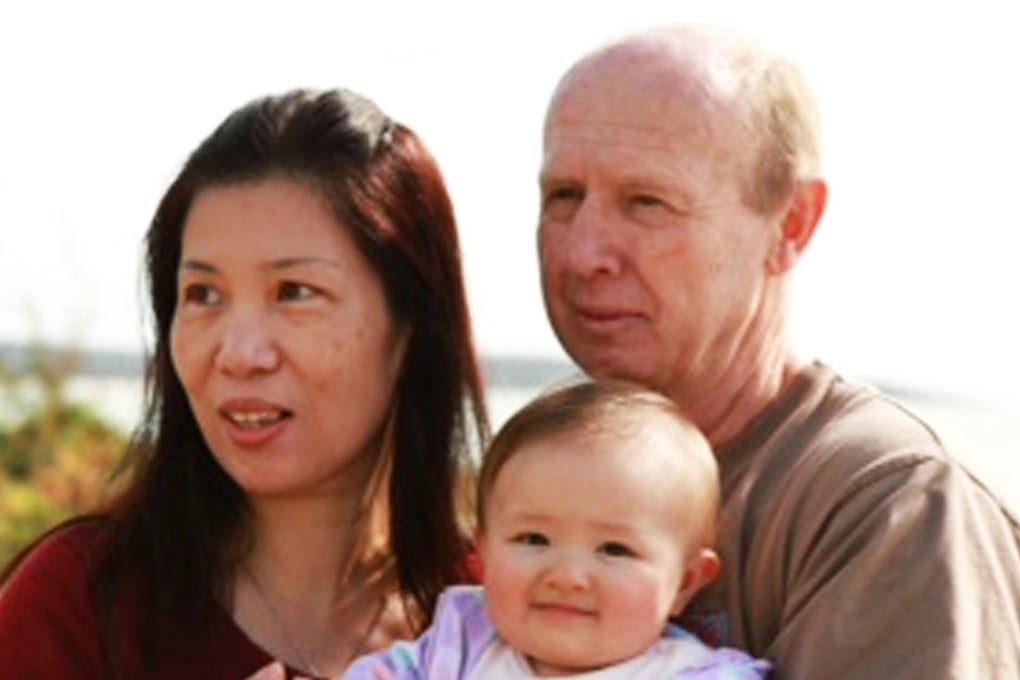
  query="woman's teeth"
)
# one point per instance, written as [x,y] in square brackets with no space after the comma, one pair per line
[255,419]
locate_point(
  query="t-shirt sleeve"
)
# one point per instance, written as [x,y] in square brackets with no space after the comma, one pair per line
[912,572]
[48,626]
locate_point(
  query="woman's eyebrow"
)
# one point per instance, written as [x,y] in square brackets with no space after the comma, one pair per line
[287,262]
[199,266]
[281,263]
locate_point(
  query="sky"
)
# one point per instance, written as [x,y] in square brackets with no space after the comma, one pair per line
[911,280]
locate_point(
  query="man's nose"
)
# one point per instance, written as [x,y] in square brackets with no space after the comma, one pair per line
[247,346]
[592,244]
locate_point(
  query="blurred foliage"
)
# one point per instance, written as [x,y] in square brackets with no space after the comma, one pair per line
[56,456]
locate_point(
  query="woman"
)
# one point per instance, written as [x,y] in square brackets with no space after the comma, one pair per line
[312,397]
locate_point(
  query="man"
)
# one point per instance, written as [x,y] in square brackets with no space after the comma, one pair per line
[679,188]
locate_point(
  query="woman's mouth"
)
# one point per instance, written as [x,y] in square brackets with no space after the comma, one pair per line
[250,420]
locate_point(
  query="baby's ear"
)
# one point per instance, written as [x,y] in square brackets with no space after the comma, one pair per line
[701,570]
[480,546]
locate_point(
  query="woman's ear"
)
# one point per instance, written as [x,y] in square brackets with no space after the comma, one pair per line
[797,225]
[701,570]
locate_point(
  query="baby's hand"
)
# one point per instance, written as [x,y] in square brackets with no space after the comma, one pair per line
[273,671]
[276,671]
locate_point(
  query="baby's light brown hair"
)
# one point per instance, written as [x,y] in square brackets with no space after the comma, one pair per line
[607,409]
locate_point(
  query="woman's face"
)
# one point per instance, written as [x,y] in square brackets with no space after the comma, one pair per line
[283,339]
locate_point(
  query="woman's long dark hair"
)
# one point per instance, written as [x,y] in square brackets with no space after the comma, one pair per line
[180,512]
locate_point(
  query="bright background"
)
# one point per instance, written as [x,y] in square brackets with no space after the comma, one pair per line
[911,281]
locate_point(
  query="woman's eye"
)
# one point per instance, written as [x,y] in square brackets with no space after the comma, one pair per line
[614,549]
[201,294]
[291,292]
[531,538]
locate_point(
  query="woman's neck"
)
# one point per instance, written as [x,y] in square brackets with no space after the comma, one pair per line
[303,545]
[314,584]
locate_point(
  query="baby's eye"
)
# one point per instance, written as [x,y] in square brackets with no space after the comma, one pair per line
[291,291]
[530,538]
[200,294]
[616,549]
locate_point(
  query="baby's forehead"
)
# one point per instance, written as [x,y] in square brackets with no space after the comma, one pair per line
[666,450]
[646,431]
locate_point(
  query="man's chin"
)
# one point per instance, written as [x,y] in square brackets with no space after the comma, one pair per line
[619,365]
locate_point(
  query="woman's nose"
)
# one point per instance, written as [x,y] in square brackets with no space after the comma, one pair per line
[247,346]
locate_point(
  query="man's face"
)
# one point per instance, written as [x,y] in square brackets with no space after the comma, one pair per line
[653,268]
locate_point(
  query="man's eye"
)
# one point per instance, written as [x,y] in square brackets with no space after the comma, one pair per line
[560,203]
[291,291]
[201,294]
[531,538]
[646,200]
[566,193]
[615,549]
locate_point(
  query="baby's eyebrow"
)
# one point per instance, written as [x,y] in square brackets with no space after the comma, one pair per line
[529,516]
[612,527]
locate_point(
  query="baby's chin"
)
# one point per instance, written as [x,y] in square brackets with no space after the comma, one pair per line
[562,667]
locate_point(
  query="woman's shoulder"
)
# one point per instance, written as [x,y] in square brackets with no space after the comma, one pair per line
[46,604]
[60,566]
[71,548]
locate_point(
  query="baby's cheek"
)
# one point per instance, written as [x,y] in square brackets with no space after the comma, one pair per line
[641,603]
[506,595]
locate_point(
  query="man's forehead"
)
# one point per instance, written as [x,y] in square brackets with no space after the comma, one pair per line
[657,101]
[675,69]
[640,150]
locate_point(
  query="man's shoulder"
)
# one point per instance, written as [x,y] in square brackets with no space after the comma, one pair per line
[839,428]
[838,442]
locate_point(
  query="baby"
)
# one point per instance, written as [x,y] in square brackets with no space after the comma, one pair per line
[596,514]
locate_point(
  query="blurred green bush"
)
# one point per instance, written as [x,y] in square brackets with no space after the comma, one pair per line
[56,456]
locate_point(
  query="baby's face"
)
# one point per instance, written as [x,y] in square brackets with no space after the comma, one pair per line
[584,548]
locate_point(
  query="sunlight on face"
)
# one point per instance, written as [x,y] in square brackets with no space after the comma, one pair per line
[652,265]
[586,547]
[283,339]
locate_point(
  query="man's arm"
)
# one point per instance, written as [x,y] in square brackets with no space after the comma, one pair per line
[913,573]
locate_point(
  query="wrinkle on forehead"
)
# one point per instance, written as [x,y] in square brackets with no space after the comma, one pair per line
[677,88]
[680,77]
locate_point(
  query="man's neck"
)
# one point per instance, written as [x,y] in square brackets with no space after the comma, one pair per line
[744,373]
[742,397]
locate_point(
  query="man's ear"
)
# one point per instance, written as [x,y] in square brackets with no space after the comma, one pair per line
[701,570]
[797,225]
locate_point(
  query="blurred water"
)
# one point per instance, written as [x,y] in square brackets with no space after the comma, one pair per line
[984,436]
